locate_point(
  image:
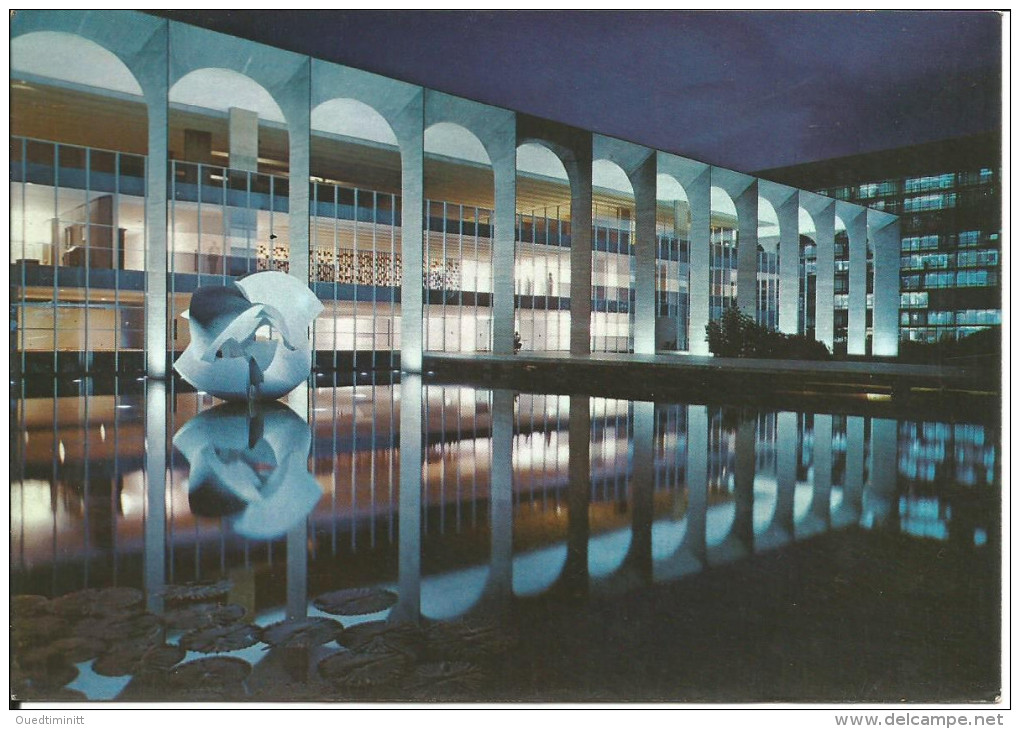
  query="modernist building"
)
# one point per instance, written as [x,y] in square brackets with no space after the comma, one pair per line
[150,157]
[948,197]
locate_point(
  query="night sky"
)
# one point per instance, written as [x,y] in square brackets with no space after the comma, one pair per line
[744,90]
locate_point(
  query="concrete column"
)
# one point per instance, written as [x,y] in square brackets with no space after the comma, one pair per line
[880,496]
[574,578]
[639,557]
[412,206]
[155,494]
[747,250]
[742,532]
[787,443]
[853,481]
[643,182]
[408,607]
[825,268]
[789,263]
[299,121]
[884,233]
[857,233]
[504,170]
[697,481]
[501,511]
[821,494]
[297,571]
[153,74]
[699,194]
[244,140]
[580,253]
[297,537]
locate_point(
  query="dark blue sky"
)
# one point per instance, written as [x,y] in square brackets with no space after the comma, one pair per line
[745,90]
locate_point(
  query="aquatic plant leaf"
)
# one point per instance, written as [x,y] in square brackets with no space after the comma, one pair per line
[203,615]
[304,632]
[69,650]
[92,602]
[350,669]
[221,638]
[379,636]
[357,601]
[38,630]
[120,629]
[130,659]
[441,677]
[196,591]
[469,640]
[207,672]
[26,606]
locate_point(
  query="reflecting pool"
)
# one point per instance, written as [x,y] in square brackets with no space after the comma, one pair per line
[415,541]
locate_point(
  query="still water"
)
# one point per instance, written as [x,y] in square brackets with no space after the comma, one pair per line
[417,541]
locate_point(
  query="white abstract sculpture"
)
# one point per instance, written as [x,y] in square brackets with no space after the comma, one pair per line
[250,466]
[249,339]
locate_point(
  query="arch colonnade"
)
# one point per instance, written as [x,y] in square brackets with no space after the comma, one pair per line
[159,53]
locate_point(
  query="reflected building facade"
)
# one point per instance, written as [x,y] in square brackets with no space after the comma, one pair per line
[423,222]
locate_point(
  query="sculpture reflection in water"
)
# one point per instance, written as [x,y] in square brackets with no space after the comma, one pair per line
[249,464]
[249,339]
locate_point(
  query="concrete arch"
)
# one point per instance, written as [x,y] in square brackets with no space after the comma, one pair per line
[854,220]
[141,43]
[768,225]
[349,117]
[541,280]
[138,41]
[401,105]
[539,158]
[785,201]
[219,89]
[71,58]
[822,211]
[806,223]
[496,129]
[573,147]
[280,73]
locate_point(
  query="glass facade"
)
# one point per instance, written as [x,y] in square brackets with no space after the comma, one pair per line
[950,247]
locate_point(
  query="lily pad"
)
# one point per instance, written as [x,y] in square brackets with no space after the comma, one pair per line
[38,630]
[203,615]
[304,632]
[442,677]
[196,591]
[221,638]
[130,659]
[52,674]
[216,671]
[379,636]
[68,650]
[469,640]
[93,602]
[26,606]
[356,670]
[119,629]
[357,601]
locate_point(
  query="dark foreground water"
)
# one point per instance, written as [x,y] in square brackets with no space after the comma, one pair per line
[420,542]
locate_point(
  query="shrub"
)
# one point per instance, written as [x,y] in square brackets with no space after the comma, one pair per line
[738,335]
